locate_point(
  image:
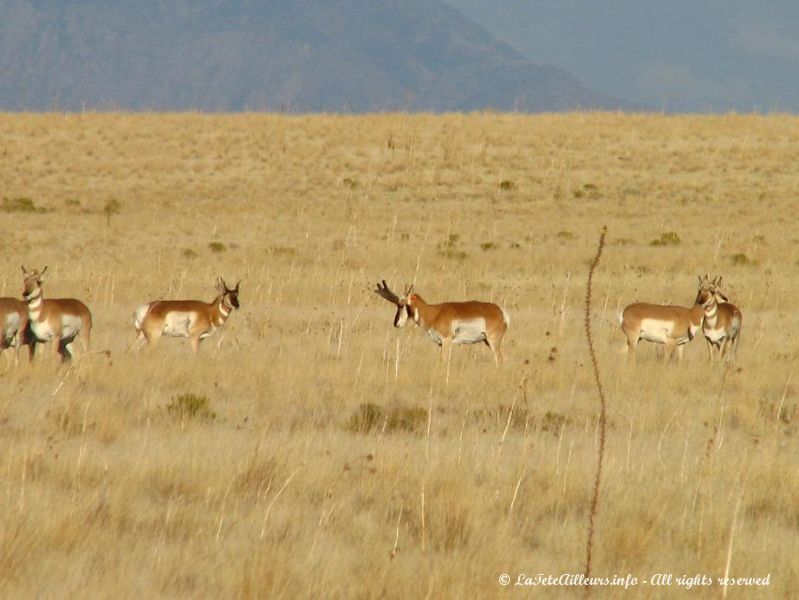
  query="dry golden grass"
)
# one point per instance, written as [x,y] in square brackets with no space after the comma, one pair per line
[336,456]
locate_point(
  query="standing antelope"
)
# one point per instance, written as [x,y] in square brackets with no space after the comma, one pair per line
[13,325]
[722,324]
[54,320]
[673,326]
[451,322]
[193,319]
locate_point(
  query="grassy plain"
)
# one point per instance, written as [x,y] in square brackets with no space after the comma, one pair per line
[331,455]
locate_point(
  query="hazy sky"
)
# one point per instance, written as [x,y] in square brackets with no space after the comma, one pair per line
[673,55]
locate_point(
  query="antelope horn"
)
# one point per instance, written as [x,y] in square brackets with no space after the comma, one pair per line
[385,293]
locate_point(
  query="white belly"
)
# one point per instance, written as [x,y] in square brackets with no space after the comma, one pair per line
[45,332]
[469,332]
[661,332]
[178,324]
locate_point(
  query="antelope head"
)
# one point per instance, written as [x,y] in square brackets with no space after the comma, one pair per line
[32,282]
[230,296]
[720,297]
[404,309]
[708,290]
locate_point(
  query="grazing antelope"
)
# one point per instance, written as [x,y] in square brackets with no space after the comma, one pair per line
[13,325]
[54,320]
[673,326]
[722,324]
[451,322]
[193,319]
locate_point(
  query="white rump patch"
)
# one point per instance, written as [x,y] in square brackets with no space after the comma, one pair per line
[139,314]
[11,325]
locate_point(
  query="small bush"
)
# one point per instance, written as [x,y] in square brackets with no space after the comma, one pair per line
[189,253]
[565,235]
[668,238]
[370,416]
[450,248]
[20,205]
[286,251]
[349,183]
[553,422]
[217,247]
[485,246]
[741,259]
[191,406]
[506,185]
[111,208]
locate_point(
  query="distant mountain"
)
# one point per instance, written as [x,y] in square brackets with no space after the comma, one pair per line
[674,56]
[286,55]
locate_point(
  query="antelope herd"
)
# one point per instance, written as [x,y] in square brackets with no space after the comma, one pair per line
[674,326]
[38,320]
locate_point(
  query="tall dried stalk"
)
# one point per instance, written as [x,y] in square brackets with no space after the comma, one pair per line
[601,448]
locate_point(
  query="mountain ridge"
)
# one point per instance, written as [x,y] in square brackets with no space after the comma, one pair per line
[279,55]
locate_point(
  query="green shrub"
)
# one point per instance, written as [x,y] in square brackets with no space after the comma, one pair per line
[450,248]
[370,416]
[191,406]
[20,205]
[506,185]
[668,238]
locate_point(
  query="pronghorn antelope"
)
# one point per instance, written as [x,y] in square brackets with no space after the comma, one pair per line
[722,324]
[193,319]
[13,325]
[54,320]
[451,322]
[673,326]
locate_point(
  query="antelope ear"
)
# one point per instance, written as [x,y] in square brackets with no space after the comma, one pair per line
[41,275]
[24,270]
[220,286]
[236,289]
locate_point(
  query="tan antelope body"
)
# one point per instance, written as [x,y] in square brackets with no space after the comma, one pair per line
[722,324]
[58,320]
[13,325]
[672,326]
[191,319]
[451,322]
